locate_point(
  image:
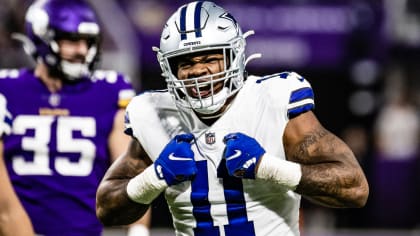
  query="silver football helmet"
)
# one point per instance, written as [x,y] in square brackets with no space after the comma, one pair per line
[199,27]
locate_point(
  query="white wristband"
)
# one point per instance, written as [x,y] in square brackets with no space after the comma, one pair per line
[146,186]
[138,230]
[281,171]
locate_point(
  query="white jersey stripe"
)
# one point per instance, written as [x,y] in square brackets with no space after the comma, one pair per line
[300,103]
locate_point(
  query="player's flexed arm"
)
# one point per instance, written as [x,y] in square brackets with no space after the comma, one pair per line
[319,165]
[331,175]
[132,182]
[111,191]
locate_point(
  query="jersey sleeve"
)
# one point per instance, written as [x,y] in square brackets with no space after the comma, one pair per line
[128,130]
[301,98]
[126,91]
[143,123]
[289,92]
[5,117]
[133,114]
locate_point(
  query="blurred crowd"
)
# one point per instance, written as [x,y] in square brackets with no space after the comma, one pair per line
[364,67]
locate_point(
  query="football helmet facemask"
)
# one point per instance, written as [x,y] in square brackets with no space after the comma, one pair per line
[48,21]
[200,27]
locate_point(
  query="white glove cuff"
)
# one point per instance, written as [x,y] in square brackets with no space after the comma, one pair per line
[146,186]
[281,171]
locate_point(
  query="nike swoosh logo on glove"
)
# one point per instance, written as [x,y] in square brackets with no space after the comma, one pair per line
[236,155]
[174,158]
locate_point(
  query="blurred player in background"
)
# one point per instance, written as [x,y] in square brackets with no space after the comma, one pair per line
[68,118]
[232,153]
[14,221]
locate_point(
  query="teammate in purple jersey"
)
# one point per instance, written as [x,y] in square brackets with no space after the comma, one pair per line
[68,118]
[14,221]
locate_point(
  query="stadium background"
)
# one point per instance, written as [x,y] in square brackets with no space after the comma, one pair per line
[360,57]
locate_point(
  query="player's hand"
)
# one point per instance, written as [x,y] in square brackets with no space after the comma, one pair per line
[242,154]
[176,162]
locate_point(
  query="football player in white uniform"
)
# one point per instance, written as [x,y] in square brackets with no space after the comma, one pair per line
[232,153]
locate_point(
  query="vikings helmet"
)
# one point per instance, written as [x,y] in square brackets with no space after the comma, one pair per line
[198,27]
[47,21]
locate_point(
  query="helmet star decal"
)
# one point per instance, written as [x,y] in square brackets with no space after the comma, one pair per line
[228,16]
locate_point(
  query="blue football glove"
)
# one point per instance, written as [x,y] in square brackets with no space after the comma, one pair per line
[176,162]
[242,154]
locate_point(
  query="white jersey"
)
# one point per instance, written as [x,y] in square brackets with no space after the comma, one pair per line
[5,117]
[215,203]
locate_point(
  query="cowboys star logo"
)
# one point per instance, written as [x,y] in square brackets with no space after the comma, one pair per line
[229,17]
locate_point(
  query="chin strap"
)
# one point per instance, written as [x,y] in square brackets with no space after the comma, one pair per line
[74,71]
[215,114]
[209,105]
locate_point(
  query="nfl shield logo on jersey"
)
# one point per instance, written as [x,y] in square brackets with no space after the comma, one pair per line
[210,138]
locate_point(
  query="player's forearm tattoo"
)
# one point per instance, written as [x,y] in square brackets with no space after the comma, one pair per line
[328,167]
[302,152]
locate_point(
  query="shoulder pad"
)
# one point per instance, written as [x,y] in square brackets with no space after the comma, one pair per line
[110,76]
[291,88]
[9,73]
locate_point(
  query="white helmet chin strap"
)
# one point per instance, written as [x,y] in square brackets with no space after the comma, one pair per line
[210,104]
[74,71]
